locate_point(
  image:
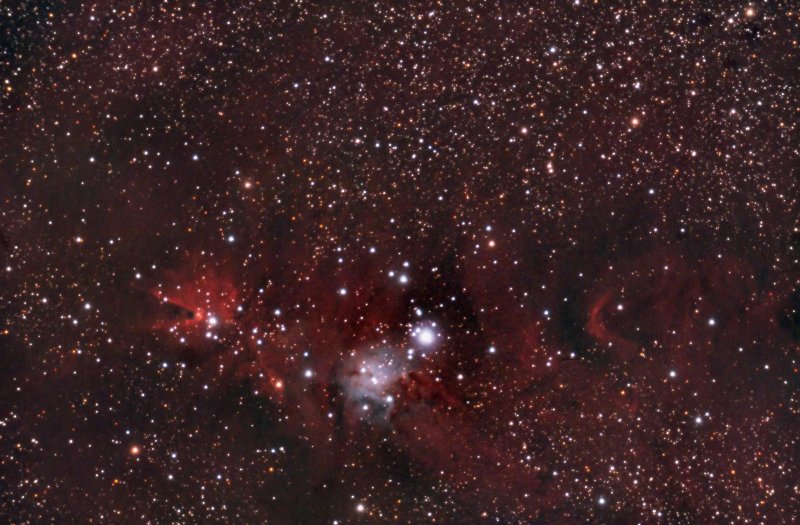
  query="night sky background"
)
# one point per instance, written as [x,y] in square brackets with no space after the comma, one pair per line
[294,262]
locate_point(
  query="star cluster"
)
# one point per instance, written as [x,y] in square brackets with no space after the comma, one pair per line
[297,262]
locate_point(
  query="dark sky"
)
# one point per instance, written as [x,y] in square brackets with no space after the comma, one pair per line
[295,262]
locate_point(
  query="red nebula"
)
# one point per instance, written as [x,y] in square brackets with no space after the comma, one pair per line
[197,297]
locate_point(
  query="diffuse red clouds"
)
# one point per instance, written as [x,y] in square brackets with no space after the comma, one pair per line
[661,314]
[697,338]
[596,326]
[427,417]
[449,439]
[194,297]
[507,426]
[670,336]
[663,299]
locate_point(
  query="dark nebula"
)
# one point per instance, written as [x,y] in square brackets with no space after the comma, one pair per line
[295,262]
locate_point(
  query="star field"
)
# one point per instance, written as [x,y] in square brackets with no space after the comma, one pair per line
[470,262]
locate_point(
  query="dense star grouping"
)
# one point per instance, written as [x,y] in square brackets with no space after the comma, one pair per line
[399,262]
